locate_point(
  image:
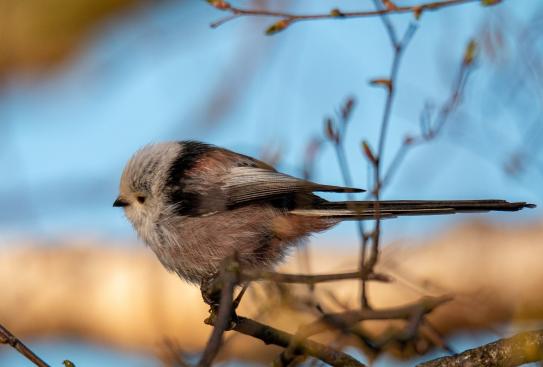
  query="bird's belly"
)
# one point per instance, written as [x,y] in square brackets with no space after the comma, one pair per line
[195,247]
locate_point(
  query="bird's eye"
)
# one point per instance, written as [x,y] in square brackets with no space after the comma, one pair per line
[140,199]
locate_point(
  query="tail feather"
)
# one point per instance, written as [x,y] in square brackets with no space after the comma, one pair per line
[359,210]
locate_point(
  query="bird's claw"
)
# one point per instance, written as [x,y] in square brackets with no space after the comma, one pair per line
[213,316]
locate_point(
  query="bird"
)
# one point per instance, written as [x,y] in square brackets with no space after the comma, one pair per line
[195,204]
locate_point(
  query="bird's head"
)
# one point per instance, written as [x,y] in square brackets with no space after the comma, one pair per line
[141,190]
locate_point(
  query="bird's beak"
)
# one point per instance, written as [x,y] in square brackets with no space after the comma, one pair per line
[120,202]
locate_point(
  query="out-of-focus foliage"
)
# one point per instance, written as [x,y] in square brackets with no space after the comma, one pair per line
[38,34]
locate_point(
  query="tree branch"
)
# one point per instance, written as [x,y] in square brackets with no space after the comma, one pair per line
[376,160]
[342,320]
[290,18]
[270,335]
[520,349]
[221,319]
[431,129]
[6,337]
[309,278]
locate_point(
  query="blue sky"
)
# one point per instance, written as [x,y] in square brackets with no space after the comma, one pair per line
[156,76]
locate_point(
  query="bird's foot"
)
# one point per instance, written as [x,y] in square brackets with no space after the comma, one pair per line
[211,291]
[214,315]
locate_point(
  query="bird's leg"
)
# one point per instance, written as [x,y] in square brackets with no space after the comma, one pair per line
[211,289]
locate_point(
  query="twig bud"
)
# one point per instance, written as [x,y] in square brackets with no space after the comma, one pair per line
[387,83]
[368,152]
[471,52]
[417,11]
[219,4]
[331,132]
[336,13]
[277,26]
[347,109]
[389,5]
[490,2]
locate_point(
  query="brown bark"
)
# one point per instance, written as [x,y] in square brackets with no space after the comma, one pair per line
[522,348]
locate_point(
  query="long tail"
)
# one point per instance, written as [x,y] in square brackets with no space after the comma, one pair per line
[356,210]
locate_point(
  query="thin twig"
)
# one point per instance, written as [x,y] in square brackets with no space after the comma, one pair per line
[350,318]
[433,334]
[431,130]
[270,335]
[346,173]
[309,278]
[239,297]
[6,337]
[387,23]
[399,49]
[336,135]
[376,160]
[290,18]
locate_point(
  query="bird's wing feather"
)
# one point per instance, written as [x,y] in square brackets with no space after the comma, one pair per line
[249,184]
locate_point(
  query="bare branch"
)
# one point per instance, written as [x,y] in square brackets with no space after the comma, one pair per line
[6,337]
[520,349]
[286,18]
[270,335]
[337,141]
[349,318]
[310,278]
[431,129]
[399,47]
[223,317]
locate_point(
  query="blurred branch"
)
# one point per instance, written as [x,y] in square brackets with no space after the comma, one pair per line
[349,318]
[270,335]
[6,337]
[431,129]
[289,18]
[512,97]
[520,349]
[346,322]
[390,85]
[377,159]
[227,279]
[310,278]
[336,134]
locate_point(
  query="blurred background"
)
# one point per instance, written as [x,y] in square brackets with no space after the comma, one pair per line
[84,84]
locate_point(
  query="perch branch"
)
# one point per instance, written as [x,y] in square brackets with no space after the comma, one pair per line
[223,316]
